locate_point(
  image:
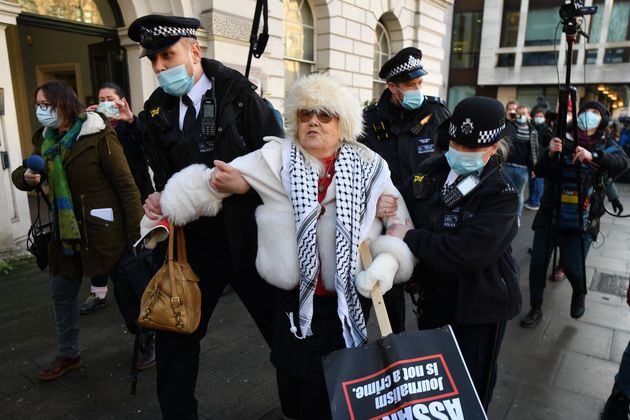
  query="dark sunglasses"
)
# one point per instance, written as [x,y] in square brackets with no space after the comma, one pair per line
[305,115]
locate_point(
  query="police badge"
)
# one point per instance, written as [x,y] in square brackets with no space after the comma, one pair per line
[467,126]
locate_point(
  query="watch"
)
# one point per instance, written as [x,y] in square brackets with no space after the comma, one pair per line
[595,156]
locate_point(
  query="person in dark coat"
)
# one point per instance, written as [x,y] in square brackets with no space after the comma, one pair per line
[402,128]
[95,209]
[464,210]
[569,216]
[221,249]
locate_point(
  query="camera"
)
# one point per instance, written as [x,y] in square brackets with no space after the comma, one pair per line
[574,9]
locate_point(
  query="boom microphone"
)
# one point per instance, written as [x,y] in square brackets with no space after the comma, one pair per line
[35,163]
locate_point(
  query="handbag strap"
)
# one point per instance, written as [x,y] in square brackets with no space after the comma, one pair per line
[181,245]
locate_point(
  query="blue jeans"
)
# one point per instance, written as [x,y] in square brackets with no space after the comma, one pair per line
[536,189]
[622,378]
[64,294]
[570,260]
[519,176]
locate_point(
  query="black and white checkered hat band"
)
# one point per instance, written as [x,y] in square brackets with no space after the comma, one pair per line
[169,31]
[412,64]
[452,130]
[489,136]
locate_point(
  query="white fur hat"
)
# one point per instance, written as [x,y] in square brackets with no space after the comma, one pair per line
[319,91]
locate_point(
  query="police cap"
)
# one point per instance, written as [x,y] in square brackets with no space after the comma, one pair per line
[156,32]
[477,121]
[404,66]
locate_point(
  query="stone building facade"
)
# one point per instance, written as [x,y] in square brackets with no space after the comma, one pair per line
[88,43]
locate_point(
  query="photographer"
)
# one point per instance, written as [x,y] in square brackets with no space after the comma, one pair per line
[558,220]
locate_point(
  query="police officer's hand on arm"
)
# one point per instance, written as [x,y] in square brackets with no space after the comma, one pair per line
[226,179]
[399,230]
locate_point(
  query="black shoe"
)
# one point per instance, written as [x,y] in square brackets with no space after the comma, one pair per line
[577,305]
[92,303]
[532,319]
[616,407]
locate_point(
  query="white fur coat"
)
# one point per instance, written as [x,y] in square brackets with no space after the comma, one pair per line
[188,196]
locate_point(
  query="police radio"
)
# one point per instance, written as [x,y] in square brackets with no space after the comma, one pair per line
[208,120]
[456,193]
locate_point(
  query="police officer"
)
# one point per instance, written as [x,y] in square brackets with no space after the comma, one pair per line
[202,111]
[464,211]
[402,128]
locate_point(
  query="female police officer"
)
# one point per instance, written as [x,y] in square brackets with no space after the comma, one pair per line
[464,210]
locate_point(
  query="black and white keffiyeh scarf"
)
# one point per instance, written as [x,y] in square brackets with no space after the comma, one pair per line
[358,183]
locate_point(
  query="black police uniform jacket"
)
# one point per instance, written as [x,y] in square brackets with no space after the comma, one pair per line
[466,271]
[242,120]
[403,138]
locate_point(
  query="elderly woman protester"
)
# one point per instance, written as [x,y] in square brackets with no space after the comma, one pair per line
[464,210]
[95,205]
[320,190]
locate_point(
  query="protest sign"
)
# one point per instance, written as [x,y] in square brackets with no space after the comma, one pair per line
[412,375]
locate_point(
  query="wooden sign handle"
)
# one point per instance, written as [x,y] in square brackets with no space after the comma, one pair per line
[377,296]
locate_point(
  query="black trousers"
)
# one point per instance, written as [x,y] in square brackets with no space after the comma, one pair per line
[480,345]
[395,304]
[177,355]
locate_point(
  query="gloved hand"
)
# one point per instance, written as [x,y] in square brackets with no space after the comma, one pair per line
[617,207]
[381,271]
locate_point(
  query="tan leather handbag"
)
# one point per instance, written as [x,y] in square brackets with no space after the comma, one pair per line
[172,300]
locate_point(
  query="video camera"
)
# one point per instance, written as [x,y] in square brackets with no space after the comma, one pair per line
[574,9]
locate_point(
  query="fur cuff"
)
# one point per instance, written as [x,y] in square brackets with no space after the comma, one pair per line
[187,196]
[399,249]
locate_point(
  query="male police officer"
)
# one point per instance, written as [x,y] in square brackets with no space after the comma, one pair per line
[402,128]
[202,111]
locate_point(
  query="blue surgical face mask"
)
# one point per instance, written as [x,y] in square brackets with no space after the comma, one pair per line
[464,163]
[522,119]
[412,99]
[176,81]
[48,118]
[539,120]
[588,120]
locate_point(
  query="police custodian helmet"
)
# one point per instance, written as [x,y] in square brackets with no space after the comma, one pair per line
[476,122]
[404,66]
[156,32]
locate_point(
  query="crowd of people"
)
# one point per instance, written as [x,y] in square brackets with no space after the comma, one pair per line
[278,213]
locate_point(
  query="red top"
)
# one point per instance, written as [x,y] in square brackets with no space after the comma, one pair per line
[322,187]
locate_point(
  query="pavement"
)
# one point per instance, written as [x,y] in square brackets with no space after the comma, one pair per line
[562,369]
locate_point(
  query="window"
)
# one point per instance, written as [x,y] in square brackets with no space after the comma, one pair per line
[506,60]
[466,40]
[542,21]
[618,29]
[85,11]
[540,59]
[616,55]
[382,53]
[509,28]
[591,56]
[457,93]
[299,40]
[529,94]
[596,22]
